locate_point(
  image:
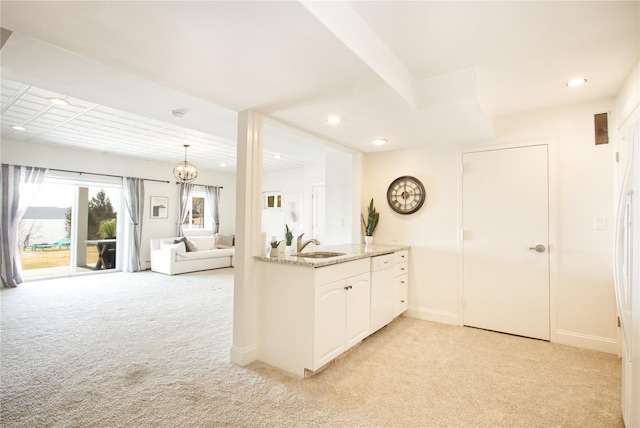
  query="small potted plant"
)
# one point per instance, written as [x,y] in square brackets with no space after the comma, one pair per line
[274,247]
[371,223]
[288,238]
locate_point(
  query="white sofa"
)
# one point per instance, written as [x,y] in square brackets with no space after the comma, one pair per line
[206,252]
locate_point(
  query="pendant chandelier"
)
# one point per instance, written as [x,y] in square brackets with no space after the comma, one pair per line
[185,172]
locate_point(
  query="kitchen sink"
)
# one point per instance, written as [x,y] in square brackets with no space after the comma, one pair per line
[319,255]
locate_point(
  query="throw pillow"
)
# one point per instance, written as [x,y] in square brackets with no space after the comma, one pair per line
[180,248]
[192,244]
[185,242]
[223,241]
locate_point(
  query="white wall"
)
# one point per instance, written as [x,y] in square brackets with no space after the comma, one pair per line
[581,262]
[288,182]
[339,198]
[337,175]
[29,154]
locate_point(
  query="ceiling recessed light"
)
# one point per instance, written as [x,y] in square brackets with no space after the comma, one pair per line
[378,142]
[58,101]
[334,120]
[277,156]
[223,165]
[578,81]
[18,128]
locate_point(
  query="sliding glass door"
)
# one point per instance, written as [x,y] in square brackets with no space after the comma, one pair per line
[70,228]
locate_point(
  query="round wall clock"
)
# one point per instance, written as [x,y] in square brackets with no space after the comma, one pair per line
[406,195]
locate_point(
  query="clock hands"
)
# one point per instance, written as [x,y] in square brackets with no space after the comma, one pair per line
[406,195]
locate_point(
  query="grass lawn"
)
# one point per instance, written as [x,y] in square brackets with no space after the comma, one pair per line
[53,257]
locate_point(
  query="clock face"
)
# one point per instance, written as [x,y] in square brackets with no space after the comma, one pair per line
[406,195]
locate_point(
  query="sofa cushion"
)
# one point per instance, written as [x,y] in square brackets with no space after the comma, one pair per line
[192,244]
[206,254]
[224,241]
[180,247]
[202,242]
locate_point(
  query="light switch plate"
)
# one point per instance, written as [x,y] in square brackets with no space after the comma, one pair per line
[600,223]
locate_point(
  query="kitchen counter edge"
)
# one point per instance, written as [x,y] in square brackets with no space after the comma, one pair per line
[352,252]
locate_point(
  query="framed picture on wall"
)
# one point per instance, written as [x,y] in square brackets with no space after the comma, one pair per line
[159,207]
[293,210]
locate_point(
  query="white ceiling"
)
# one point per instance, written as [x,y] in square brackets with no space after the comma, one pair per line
[414,73]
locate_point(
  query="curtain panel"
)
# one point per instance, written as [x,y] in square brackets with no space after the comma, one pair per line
[19,185]
[133,190]
[213,201]
[185,194]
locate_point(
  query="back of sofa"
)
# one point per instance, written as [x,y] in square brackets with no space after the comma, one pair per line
[207,242]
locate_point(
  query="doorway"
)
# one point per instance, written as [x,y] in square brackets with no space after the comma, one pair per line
[505,240]
[70,228]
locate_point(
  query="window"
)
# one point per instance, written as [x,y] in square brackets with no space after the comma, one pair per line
[198,215]
[271,200]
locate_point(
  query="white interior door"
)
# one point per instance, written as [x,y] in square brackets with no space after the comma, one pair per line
[505,220]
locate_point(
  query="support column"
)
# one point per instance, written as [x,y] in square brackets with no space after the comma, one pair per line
[248,237]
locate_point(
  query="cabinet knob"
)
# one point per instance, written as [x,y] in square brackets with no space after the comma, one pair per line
[401,301]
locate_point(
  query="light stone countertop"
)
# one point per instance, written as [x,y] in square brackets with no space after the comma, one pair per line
[351,252]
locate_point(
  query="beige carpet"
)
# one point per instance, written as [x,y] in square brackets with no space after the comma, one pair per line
[149,350]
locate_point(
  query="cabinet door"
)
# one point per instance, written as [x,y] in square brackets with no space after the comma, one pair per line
[358,308]
[329,322]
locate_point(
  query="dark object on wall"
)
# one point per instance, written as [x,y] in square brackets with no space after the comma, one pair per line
[601,123]
[406,195]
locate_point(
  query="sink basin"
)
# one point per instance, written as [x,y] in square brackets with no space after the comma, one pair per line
[319,255]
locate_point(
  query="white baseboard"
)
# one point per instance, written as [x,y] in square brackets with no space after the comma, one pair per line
[242,357]
[433,315]
[596,343]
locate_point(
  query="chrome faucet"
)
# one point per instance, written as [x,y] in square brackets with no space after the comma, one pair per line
[301,244]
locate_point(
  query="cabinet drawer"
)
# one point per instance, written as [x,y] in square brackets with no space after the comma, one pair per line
[401,268]
[402,256]
[329,274]
[382,262]
[401,302]
[401,281]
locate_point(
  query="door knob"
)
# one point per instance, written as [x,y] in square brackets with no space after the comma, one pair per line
[539,248]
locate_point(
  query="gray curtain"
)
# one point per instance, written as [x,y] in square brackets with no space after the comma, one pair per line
[133,189]
[213,201]
[185,193]
[19,186]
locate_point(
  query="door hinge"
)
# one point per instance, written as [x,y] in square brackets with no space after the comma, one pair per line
[619,323]
[617,156]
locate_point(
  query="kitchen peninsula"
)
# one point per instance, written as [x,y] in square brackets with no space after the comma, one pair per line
[315,306]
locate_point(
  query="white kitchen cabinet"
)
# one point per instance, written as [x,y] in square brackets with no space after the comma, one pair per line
[401,283]
[330,322]
[389,287]
[309,316]
[341,317]
[382,290]
[358,309]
